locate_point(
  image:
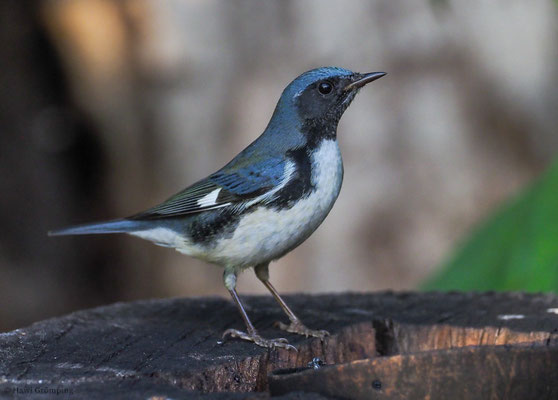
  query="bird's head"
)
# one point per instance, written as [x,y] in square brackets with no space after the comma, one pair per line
[315,101]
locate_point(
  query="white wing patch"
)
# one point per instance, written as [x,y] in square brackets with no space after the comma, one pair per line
[267,234]
[209,199]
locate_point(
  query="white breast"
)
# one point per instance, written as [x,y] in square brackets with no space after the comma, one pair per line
[265,234]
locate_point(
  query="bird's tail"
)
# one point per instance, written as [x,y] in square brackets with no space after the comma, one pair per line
[114,226]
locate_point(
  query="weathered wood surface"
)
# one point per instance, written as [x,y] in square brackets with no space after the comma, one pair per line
[509,372]
[169,348]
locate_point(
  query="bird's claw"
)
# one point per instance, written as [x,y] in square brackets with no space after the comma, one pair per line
[260,341]
[300,329]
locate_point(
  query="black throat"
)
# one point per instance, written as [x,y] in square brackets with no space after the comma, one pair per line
[316,130]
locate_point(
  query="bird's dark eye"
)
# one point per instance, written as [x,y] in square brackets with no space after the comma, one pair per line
[325,87]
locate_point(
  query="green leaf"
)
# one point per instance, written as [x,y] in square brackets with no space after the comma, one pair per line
[515,249]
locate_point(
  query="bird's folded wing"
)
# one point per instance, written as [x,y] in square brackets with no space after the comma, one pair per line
[235,186]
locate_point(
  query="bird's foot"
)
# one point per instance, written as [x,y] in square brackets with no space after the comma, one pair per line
[300,329]
[260,341]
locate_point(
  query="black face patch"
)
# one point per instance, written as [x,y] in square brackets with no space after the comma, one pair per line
[324,100]
[320,107]
[314,102]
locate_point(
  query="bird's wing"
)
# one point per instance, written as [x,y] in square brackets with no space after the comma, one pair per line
[237,185]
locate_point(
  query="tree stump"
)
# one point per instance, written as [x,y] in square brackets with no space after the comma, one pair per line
[383,345]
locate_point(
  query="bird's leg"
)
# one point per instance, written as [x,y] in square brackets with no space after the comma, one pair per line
[251,334]
[296,325]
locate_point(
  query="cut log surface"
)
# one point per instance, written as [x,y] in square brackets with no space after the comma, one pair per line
[171,348]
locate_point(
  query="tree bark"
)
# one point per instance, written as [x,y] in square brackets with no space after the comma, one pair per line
[171,348]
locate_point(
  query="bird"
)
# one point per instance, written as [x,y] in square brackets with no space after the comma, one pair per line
[266,201]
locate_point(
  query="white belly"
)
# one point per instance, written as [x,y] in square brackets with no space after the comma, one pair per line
[266,234]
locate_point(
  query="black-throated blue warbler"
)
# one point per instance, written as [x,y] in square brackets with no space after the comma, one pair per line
[267,200]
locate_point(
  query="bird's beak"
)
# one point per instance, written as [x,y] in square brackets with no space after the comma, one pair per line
[363,79]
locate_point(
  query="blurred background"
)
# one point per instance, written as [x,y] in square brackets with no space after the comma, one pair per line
[108,107]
